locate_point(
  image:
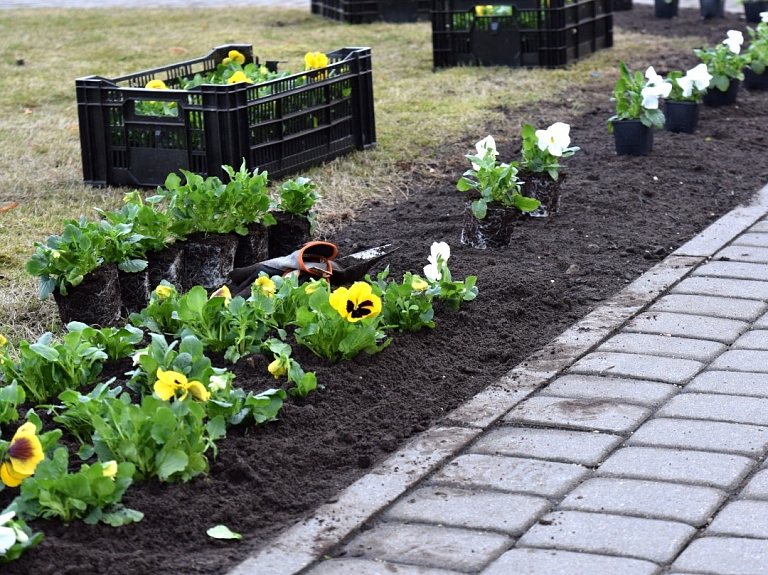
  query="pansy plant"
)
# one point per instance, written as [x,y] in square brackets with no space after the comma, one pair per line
[441,285]
[691,86]
[757,51]
[543,149]
[725,61]
[15,537]
[637,97]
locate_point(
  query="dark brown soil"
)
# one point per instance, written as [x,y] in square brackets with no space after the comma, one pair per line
[618,217]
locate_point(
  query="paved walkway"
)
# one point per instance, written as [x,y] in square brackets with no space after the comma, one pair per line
[633,444]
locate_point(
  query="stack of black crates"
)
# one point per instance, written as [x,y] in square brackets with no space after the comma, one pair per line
[536,33]
[367,11]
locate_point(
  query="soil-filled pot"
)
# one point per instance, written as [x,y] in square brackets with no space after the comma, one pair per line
[168,265]
[289,234]
[541,186]
[752,10]
[664,9]
[493,231]
[754,81]
[253,247]
[632,138]
[134,290]
[681,116]
[711,9]
[621,5]
[208,259]
[95,300]
[715,98]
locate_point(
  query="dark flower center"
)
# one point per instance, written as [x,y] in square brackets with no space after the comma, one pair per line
[21,449]
[359,310]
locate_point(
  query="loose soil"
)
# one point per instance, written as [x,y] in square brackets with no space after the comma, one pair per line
[618,217]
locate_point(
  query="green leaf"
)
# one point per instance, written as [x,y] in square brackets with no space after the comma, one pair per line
[132,266]
[175,461]
[222,532]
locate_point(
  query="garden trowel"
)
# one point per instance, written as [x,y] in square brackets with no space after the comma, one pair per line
[314,259]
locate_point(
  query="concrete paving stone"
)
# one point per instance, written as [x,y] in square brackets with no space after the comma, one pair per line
[759,239]
[760,227]
[650,499]
[555,562]
[743,518]
[649,539]
[748,440]
[753,339]
[727,307]
[506,512]
[732,408]
[429,545]
[720,470]
[652,344]
[648,393]
[594,415]
[685,325]
[724,556]
[742,253]
[735,270]
[722,231]
[364,567]
[544,478]
[730,383]
[727,287]
[647,367]
[583,447]
[754,360]
[761,322]
[757,488]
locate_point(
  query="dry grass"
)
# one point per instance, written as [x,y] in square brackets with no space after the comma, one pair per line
[418,111]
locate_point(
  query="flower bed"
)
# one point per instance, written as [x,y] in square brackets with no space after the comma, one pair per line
[279,126]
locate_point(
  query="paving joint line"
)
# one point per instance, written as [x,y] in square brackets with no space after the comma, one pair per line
[302,545]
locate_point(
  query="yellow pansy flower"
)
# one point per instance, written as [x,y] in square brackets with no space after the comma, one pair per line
[224,292]
[265,286]
[239,77]
[313,60]
[312,287]
[234,56]
[277,368]
[24,453]
[355,303]
[163,292]
[109,469]
[156,85]
[418,284]
[169,382]
[3,341]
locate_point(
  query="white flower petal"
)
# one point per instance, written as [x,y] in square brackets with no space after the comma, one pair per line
[440,249]
[487,143]
[764,16]
[6,517]
[7,539]
[431,272]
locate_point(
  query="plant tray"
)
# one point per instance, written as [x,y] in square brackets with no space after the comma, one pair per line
[536,33]
[279,126]
[367,11]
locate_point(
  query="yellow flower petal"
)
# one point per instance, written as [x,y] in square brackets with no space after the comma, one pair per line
[418,284]
[3,341]
[239,77]
[168,382]
[9,478]
[338,300]
[198,391]
[236,56]
[164,391]
[223,291]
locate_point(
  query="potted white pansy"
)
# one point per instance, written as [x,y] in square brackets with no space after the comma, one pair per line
[726,63]
[755,75]
[496,202]
[541,153]
[637,110]
[753,9]
[681,107]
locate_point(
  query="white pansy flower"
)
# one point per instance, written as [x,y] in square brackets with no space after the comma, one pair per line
[487,143]
[651,95]
[764,17]
[700,77]
[438,251]
[734,41]
[652,78]
[217,383]
[554,139]
[7,534]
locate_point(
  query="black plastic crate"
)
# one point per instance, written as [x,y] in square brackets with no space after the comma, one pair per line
[535,33]
[280,126]
[367,11]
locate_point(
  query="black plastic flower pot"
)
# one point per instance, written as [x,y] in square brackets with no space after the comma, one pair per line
[95,301]
[754,81]
[632,138]
[493,231]
[752,10]
[664,9]
[622,5]
[711,9]
[715,98]
[681,116]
